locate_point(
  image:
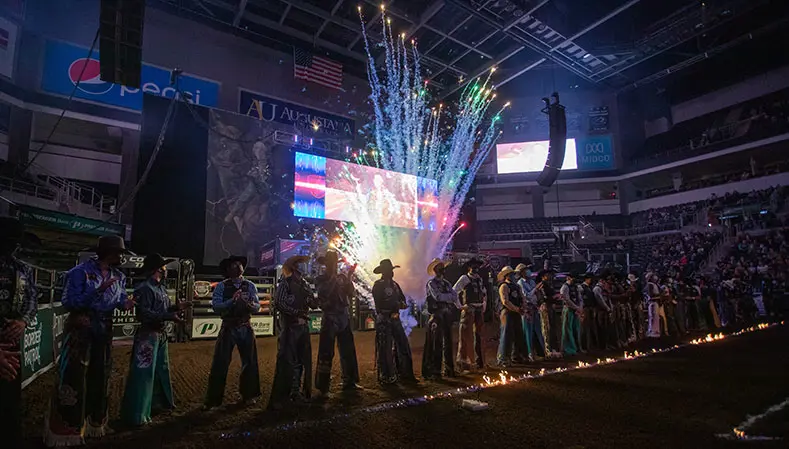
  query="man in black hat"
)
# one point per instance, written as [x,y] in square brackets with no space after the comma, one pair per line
[293,301]
[442,301]
[148,386]
[18,307]
[235,299]
[474,300]
[335,291]
[93,290]
[393,364]
[606,335]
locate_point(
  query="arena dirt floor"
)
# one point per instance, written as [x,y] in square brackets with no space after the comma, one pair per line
[679,399]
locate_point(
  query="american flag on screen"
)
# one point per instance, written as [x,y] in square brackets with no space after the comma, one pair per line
[317,69]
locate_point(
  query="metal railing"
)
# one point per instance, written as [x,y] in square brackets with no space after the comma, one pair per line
[70,192]
[26,188]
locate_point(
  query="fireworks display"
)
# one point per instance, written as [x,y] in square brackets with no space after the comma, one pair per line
[443,145]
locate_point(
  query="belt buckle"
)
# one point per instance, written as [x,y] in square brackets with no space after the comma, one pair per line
[394,315]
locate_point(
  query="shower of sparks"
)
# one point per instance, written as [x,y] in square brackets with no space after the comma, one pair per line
[440,147]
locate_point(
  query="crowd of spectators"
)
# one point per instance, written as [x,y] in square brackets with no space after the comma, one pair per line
[754,119]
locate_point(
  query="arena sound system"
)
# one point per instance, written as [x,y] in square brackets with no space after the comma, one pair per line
[557,126]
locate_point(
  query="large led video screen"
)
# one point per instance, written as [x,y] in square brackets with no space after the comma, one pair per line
[529,157]
[330,189]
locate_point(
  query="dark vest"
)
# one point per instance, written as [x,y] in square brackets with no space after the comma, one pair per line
[573,293]
[8,293]
[473,291]
[588,296]
[516,297]
[239,312]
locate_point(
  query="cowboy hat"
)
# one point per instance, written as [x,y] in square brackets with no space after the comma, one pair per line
[588,276]
[473,262]
[433,264]
[153,262]
[385,265]
[291,265]
[523,266]
[506,271]
[110,243]
[330,258]
[225,263]
[12,230]
[544,272]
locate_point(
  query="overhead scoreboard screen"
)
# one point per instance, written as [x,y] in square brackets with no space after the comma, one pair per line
[330,189]
[584,154]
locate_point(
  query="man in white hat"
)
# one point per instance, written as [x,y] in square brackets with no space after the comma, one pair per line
[442,301]
[511,343]
[293,300]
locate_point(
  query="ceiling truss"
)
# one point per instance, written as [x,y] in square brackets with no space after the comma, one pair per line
[511,32]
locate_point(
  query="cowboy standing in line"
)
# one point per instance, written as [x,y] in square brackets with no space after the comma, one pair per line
[18,307]
[235,299]
[148,386]
[334,296]
[294,299]
[532,324]
[391,342]
[512,343]
[550,313]
[590,338]
[93,290]
[442,301]
[571,315]
[471,289]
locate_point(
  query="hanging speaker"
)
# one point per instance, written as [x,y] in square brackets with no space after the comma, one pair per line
[120,44]
[557,126]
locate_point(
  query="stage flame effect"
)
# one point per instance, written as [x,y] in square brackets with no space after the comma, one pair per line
[411,136]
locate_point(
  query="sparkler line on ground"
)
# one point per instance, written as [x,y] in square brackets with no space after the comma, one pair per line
[500,379]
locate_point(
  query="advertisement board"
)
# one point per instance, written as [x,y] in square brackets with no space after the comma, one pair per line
[204,327]
[311,122]
[262,325]
[595,153]
[57,220]
[65,64]
[315,322]
[36,350]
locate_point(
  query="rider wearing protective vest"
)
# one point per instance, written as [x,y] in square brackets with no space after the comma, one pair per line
[235,299]
[474,298]
[511,343]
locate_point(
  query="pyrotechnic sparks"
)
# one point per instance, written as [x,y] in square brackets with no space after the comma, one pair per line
[489,382]
[441,149]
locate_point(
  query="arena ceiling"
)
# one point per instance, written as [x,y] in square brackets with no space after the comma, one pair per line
[616,45]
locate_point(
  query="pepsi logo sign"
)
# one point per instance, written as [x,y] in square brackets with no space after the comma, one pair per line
[86,72]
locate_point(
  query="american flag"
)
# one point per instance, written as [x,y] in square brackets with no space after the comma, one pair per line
[317,69]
